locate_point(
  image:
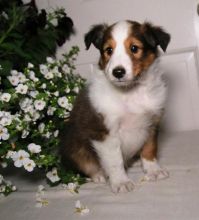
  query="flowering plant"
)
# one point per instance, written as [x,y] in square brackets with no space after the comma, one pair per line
[33,107]
[29,34]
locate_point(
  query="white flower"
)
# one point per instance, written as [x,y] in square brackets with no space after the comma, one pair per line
[10,154]
[72,187]
[40,191]
[41,188]
[39,104]
[40,197]
[22,78]
[58,74]
[14,188]
[35,115]
[19,127]
[30,66]
[43,69]
[32,76]
[29,165]
[55,70]
[64,114]
[1,179]
[51,110]
[34,148]
[4,164]
[56,133]
[5,118]
[19,158]
[52,175]
[26,105]
[5,15]
[70,107]
[47,134]
[76,89]
[5,97]
[14,72]
[74,56]
[56,93]
[65,68]
[25,133]
[22,89]
[27,118]
[63,102]
[2,189]
[50,60]
[41,127]
[4,135]
[33,93]
[48,75]
[79,208]
[67,90]
[43,86]
[78,204]
[14,80]
[41,202]
[52,83]
[54,21]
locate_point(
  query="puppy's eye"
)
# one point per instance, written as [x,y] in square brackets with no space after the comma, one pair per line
[134,49]
[109,50]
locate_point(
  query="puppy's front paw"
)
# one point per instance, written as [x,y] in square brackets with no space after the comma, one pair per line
[156,175]
[122,187]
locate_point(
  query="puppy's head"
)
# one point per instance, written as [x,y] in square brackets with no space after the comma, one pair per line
[127,49]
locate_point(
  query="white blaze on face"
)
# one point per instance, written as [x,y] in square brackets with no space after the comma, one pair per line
[120,58]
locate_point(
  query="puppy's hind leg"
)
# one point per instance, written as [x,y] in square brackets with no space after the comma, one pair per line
[149,159]
[87,162]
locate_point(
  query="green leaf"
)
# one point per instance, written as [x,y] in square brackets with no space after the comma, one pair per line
[6,66]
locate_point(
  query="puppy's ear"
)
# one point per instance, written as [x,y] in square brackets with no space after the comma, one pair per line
[155,36]
[95,36]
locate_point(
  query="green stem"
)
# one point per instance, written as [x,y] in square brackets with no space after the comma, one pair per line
[16,20]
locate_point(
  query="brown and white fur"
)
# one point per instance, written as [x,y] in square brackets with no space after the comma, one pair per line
[118,113]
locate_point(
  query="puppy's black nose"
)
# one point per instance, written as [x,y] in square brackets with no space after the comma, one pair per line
[119,72]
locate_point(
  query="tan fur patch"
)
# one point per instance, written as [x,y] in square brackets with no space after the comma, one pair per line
[143,64]
[149,150]
[140,60]
[105,56]
[133,41]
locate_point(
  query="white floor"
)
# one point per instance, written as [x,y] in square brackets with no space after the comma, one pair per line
[176,198]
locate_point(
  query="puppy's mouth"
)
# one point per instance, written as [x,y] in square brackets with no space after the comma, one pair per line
[122,85]
[121,82]
[127,84]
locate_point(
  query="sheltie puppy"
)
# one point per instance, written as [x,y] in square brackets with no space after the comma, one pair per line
[118,113]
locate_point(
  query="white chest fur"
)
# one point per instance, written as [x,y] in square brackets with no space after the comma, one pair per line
[128,115]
